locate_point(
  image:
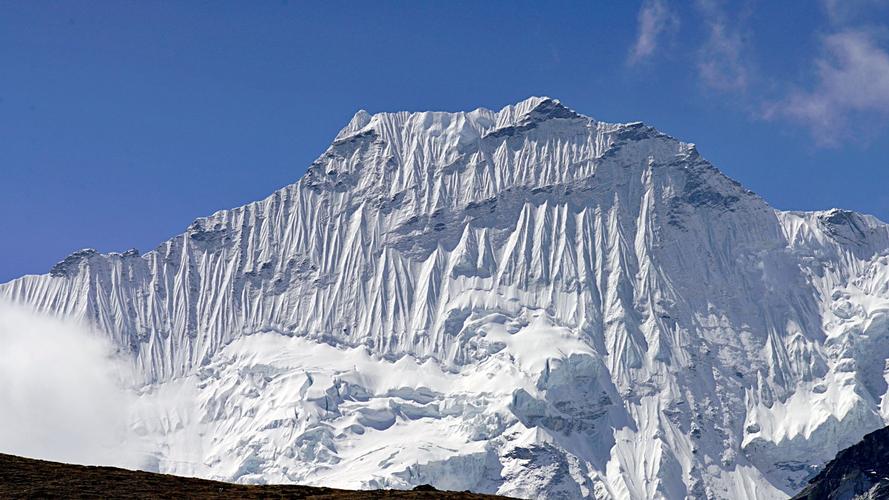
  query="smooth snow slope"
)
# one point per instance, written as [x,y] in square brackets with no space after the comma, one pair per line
[527,302]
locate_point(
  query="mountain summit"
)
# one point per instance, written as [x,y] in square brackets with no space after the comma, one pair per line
[527,302]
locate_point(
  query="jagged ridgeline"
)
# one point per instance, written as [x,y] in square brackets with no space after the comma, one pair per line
[529,302]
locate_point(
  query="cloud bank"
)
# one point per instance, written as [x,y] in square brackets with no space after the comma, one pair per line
[62,395]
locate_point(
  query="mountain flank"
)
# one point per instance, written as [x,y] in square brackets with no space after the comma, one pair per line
[858,472]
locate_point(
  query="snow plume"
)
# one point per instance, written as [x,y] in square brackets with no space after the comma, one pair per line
[62,393]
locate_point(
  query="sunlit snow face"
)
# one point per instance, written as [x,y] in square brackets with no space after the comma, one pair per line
[61,396]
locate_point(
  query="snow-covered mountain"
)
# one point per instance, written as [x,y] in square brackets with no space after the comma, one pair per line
[529,302]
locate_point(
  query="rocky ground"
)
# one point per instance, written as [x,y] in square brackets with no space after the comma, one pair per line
[858,472]
[28,478]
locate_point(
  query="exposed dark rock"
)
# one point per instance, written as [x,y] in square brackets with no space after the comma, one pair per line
[858,472]
[69,265]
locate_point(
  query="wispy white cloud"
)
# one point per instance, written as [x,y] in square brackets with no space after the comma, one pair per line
[62,394]
[848,92]
[841,12]
[655,20]
[722,60]
[852,78]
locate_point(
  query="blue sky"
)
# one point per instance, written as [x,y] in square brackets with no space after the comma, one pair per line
[121,122]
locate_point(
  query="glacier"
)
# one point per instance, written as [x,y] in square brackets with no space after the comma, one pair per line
[527,302]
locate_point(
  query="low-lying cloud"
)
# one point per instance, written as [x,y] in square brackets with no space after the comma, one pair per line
[63,392]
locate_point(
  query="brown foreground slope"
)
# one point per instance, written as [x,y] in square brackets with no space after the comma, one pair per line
[29,478]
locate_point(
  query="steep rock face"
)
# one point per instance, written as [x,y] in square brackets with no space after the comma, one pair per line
[858,472]
[655,329]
